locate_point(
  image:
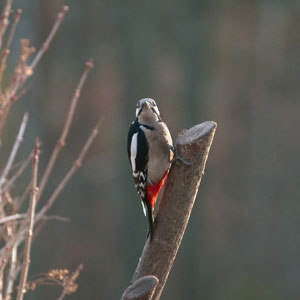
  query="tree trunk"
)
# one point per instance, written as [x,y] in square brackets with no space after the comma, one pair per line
[174,210]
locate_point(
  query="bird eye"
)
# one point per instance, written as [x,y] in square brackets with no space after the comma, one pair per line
[153,103]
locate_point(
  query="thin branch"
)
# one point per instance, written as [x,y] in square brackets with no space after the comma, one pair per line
[12,273]
[18,173]
[45,218]
[5,252]
[3,116]
[62,140]
[24,196]
[6,199]
[68,176]
[4,19]
[6,50]
[175,206]
[31,215]
[8,229]
[22,72]
[5,55]
[35,234]
[56,218]
[20,80]
[13,153]
[13,28]
[11,218]
[62,295]
[11,276]
[46,44]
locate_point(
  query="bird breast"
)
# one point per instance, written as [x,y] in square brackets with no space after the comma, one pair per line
[159,153]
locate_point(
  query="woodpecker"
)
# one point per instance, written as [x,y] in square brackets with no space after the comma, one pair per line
[149,147]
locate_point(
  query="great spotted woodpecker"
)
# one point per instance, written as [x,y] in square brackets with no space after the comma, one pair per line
[150,153]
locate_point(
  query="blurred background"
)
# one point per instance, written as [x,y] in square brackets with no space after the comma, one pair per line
[233,62]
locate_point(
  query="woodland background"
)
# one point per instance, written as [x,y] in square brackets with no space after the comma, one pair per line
[234,62]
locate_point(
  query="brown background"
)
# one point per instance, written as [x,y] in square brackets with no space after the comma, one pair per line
[234,62]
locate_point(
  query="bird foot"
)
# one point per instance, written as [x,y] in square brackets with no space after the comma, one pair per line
[177,156]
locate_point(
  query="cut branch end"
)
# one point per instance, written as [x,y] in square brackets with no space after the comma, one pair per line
[141,289]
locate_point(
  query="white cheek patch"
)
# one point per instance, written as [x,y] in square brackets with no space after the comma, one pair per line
[133,150]
[138,111]
[156,110]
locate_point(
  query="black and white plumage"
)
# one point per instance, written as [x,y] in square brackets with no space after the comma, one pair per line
[149,151]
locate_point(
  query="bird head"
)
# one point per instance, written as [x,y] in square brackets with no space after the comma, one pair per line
[146,108]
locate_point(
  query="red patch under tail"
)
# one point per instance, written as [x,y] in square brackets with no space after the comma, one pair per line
[153,190]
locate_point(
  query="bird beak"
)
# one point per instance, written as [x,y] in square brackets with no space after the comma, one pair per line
[146,106]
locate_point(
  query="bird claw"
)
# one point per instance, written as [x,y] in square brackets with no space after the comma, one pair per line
[177,156]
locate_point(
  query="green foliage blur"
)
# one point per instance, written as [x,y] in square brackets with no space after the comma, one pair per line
[233,62]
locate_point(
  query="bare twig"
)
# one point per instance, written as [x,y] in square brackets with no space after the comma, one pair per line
[68,176]
[10,228]
[15,272]
[4,19]
[3,116]
[18,173]
[13,153]
[44,219]
[60,277]
[46,44]
[31,214]
[6,50]
[22,72]
[18,237]
[21,78]
[56,218]
[12,273]
[20,201]
[11,218]
[62,140]
[5,252]
[13,28]
[6,199]
[69,283]
[5,55]
[176,205]
[62,295]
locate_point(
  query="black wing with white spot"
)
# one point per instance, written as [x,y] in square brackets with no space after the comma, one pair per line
[137,149]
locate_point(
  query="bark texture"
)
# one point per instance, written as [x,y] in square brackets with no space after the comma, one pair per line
[176,205]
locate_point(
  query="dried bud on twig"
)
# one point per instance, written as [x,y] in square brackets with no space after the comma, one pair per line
[22,67]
